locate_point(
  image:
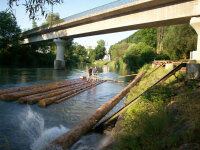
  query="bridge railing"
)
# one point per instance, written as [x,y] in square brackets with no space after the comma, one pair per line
[85,13]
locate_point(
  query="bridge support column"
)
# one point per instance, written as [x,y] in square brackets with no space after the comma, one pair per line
[59,62]
[195,23]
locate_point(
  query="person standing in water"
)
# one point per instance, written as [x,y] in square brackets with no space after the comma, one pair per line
[90,72]
[95,71]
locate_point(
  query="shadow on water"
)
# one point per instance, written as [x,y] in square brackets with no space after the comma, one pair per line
[25,127]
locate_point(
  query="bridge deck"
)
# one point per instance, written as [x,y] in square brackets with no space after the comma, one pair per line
[96,14]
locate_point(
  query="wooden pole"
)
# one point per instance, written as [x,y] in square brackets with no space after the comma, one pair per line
[69,138]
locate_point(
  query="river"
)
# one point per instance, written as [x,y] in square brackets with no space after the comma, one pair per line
[30,127]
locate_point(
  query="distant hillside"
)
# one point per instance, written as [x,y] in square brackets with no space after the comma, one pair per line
[148,36]
[170,42]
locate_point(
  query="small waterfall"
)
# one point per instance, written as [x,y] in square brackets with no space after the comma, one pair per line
[33,132]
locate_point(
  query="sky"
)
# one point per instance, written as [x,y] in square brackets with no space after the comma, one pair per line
[68,8]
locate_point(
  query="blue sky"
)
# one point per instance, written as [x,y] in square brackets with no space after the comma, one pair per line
[68,8]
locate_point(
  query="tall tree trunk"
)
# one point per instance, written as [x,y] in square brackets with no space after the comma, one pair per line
[160,36]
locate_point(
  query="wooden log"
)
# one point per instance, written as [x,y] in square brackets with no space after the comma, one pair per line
[12,90]
[63,99]
[32,99]
[69,138]
[47,101]
[16,95]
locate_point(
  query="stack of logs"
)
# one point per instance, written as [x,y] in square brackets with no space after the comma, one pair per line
[46,94]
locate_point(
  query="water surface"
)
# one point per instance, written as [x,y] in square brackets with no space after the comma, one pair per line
[24,127]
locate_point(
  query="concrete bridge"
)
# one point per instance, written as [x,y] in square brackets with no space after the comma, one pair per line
[118,16]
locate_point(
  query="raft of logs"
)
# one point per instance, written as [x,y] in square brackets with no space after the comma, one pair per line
[46,94]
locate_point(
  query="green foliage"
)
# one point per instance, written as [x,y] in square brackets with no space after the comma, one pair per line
[81,53]
[153,122]
[8,25]
[13,54]
[147,36]
[33,7]
[140,48]
[138,54]
[34,24]
[98,52]
[179,40]
[118,50]
[158,93]
[92,55]
[26,56]
[52,18]
[147,130]
[137,49]
[9,31]
[101,43]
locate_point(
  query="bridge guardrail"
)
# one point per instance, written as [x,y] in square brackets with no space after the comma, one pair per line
[87,12]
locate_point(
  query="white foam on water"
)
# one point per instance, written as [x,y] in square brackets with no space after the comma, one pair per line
[33,131]
[48,136]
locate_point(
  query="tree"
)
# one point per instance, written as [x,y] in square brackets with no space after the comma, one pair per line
[147,36]
[138,54]
[35,6]
[8,25]
[34,24]
[179,40]
[101,43]
[9,30]
[80,52]
[100,50]
[118,50]
[52,18]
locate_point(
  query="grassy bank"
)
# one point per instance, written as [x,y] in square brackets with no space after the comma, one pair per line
[167,117]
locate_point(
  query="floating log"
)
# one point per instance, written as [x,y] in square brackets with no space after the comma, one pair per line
[69,138]
[12,90]
[129,75]
[16,95]
[48,101]
[32,99]
[62,99]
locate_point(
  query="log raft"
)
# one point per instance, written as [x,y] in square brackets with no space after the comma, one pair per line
[46,94]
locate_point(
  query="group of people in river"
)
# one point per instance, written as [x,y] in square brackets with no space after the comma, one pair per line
[93,71]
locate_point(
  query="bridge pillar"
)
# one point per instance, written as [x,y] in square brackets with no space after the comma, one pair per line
[195,23]
[59,62]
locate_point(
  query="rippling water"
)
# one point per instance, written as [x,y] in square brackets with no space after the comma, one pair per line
[24,127]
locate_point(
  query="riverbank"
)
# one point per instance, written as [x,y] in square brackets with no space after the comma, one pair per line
[116,66]
[167,117]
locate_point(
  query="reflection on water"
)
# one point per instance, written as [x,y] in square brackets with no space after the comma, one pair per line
[25,127]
